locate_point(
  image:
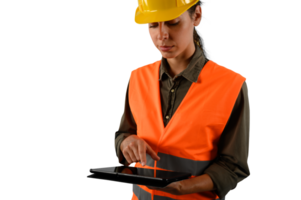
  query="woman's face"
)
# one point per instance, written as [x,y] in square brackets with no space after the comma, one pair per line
[176,33]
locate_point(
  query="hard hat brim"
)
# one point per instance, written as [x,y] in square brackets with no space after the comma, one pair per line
[144,18]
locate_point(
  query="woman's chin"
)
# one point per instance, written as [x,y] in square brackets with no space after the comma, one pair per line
[168,54]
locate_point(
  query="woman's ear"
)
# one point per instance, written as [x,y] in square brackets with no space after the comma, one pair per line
[197,15]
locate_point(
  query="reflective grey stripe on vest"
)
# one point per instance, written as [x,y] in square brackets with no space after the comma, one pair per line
[175,163]
[144,195]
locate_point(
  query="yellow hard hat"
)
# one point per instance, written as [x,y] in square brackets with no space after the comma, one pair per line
[149,11]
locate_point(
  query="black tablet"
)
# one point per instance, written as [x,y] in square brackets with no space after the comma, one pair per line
[140,176]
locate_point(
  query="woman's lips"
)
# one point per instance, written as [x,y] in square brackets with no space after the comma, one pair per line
[166,48]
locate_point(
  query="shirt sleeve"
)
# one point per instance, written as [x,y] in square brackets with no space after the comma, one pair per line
[231,167]
[127,127]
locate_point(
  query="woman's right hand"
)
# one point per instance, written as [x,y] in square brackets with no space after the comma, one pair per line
[134,149]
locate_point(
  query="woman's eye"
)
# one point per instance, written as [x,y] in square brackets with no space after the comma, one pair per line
[168,24]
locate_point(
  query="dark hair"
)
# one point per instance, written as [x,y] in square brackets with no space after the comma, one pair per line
[197,34]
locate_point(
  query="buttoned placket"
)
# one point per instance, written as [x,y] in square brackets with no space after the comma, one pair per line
[171,99]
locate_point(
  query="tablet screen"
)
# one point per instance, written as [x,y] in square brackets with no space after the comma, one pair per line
[142,176]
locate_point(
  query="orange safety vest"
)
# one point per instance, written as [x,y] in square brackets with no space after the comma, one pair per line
[189,142]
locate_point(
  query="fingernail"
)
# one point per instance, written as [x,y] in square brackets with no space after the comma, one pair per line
[142,163]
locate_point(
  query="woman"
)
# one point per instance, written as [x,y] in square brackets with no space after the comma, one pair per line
[184,112]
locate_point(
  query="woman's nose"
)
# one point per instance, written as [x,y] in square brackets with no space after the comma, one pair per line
[162,30]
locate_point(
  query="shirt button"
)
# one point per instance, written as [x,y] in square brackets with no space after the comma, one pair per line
[172,90]
[167,117]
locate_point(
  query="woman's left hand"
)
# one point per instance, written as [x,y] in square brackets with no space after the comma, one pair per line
[172,188]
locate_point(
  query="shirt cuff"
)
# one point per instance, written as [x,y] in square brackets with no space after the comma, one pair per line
[224,179]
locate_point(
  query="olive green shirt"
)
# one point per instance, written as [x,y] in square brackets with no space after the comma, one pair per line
[231,165]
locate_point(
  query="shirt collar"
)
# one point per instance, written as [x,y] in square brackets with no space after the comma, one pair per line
[193,69]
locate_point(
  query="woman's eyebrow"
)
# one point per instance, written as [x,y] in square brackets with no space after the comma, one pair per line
[172,20]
